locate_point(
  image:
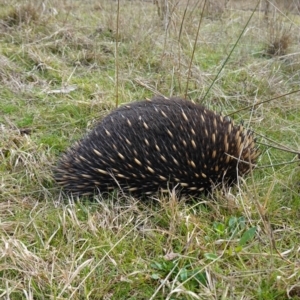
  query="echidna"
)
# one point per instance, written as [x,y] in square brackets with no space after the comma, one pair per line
[156,145]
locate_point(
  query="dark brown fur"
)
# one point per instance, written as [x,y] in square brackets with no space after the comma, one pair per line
[158,144]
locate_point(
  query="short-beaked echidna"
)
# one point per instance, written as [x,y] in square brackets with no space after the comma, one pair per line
[158,144]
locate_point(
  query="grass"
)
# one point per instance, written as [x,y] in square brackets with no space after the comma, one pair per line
[57,76]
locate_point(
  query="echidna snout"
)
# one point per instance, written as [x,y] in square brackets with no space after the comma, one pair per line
[158,144]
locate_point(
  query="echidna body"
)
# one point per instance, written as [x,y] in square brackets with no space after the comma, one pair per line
[153,145]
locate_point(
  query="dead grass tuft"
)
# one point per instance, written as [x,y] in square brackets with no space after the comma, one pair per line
[23,14]
[280,25]
[20,155]
[279,46]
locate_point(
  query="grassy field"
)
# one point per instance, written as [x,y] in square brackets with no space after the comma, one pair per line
[63,66]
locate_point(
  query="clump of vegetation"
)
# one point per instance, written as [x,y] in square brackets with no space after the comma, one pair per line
[22,14]
[279,32]
[279,46]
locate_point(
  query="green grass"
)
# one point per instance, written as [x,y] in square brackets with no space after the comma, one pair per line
[239,245]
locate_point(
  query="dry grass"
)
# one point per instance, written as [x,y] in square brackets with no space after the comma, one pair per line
[57,75]
[23,14]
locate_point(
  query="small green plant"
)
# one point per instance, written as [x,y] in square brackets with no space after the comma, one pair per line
[192,278]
